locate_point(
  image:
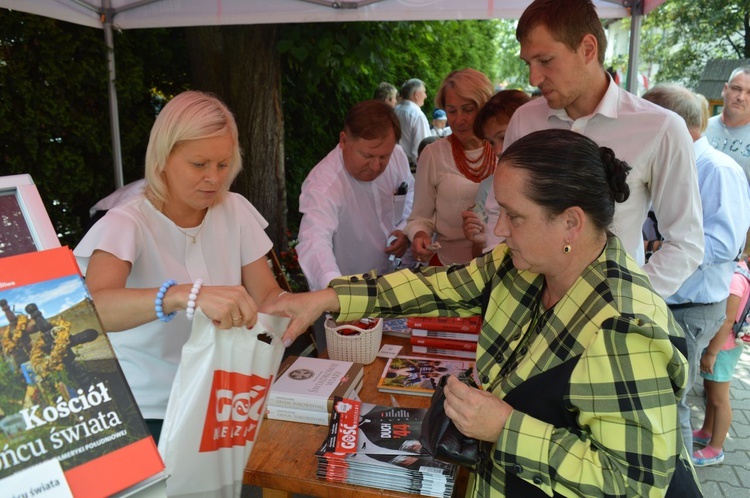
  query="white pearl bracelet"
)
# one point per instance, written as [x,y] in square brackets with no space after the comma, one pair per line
[190,311]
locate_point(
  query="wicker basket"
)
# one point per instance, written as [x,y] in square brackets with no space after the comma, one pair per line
[360,348]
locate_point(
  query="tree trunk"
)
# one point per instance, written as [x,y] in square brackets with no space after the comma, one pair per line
[240,64]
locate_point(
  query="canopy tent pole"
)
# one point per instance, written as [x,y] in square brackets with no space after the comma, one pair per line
[636,20]
[114,115]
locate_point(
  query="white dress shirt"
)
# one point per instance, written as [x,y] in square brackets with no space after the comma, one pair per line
[346,222]
[657,146]
[414,128]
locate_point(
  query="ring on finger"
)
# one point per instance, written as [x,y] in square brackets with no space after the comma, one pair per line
[236,318]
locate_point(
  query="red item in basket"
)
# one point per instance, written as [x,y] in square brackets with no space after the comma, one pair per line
[364,324]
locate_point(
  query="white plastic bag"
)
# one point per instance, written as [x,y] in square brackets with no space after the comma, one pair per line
[216,405]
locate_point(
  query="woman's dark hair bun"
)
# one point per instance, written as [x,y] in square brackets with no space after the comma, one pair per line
[617,173]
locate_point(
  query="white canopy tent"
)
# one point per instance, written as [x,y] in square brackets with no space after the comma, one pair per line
[132,14]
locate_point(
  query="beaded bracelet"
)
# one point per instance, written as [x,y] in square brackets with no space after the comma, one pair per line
[160,300]
[282,293]
[190,311]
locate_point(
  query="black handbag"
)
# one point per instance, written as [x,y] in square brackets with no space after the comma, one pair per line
[441,438]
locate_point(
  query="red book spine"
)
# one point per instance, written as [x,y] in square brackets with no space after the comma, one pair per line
[447,324]
[435,342]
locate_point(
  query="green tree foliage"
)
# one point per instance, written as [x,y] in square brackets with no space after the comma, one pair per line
[54,114]
[328,67]
[54,111]
[513,71]
[682,35]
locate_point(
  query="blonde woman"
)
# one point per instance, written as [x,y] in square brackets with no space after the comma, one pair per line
[449,172]
[186,242]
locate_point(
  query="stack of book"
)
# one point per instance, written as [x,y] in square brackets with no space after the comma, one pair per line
[378,447]
[305,388]
[416,375]
[445,336]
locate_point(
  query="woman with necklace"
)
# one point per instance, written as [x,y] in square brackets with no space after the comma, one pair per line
[449,172]
[185,243]
[581,362]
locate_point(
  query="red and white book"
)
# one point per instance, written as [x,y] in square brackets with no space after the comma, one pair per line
[455,353]
[469,324]
[68,410]
[439,334]
[436,342]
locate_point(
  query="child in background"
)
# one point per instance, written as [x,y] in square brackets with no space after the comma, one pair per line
[717,366]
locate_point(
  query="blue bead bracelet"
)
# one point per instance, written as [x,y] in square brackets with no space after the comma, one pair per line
[160,300]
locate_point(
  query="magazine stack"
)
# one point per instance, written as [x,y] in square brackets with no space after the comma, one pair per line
[305,387]
[378,446]
[445,336]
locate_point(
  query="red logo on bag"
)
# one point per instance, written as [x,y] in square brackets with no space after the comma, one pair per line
[234,409]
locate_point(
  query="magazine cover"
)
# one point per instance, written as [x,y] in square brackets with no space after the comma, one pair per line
[417,375]
[63,395]
[378,446]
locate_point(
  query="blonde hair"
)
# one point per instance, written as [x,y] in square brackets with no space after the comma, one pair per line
[468,84]
[188,116]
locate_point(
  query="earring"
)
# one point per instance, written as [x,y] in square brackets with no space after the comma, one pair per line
[566,248]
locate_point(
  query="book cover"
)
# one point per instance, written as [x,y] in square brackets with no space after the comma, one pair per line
[455,353]
[63,395]
[437,342]
[378,446]
[312,383]
[471,324]
[416,375]
[396,327]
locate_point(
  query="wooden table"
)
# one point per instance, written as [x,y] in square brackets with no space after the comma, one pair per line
[283,460]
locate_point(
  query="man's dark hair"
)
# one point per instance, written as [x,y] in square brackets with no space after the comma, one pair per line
[371,119]
[567,21]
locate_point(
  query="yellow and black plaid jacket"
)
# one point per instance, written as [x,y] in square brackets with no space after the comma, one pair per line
[609,345]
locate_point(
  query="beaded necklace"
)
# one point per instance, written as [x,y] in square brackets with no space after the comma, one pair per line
[466,165]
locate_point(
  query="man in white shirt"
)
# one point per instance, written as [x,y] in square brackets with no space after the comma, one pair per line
[414,124]
[580,95]
[729,132]
[356,201]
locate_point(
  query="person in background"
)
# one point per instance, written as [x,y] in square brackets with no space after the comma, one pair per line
[578,357]
[186,243]
[490,125]
[449,173]
[424,143]
[729,132]
[717,366]
[440,126]
[122,194]
[355,202]
[387,93]
[699,305]
[414,125]
[564,44]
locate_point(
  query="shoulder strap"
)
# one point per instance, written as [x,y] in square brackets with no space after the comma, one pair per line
[738,324]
